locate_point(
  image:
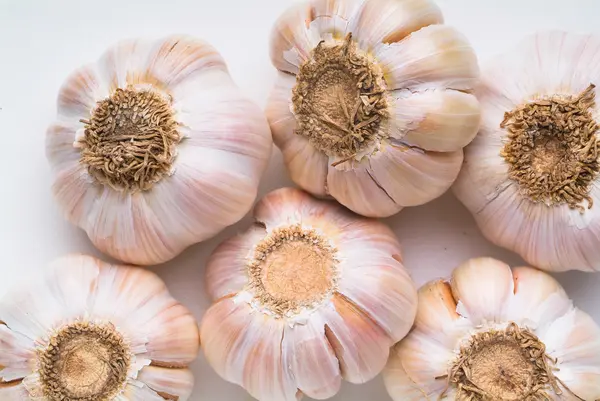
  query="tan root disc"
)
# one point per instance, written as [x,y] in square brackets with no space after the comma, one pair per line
[292,268]
[130,140]
[84,362]
[505,365]
[552,149]
[338,99]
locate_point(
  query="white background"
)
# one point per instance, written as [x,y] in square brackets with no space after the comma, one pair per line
[42,41]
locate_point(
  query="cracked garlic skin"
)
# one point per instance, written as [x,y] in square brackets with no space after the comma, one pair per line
[309,295]
[155,148]
[492,333]
[372,105]
[530,177]
[91,331]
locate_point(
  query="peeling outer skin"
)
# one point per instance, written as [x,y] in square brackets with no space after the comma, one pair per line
[355,185]
[349,166]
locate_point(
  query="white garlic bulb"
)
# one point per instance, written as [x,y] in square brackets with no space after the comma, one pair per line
[496,334]
[89,331]
[372,103]
[155,148]
[530,177]
[309,295]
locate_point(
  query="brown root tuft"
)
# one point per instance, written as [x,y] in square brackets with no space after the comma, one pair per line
[339,99]
[552,149]
[292,268]
[130,140]
[84,362]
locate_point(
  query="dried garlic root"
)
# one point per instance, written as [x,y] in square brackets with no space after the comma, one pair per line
[90,331]
[311,294]
[372,104]
[155,148]
[530,177]
[496,334]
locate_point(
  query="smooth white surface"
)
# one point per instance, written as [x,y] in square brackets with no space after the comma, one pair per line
[42,41]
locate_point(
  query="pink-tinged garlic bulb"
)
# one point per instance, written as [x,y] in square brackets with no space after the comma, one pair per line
[155,148]
[372,103]
[309,295]
[496,334]
[90,331]
[530,177]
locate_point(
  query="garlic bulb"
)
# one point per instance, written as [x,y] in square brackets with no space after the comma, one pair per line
[372,103]
[155,148]
[309,295]
[531,175]
[91,331]
[496,334]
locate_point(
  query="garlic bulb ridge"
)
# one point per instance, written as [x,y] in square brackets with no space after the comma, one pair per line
[372,103]
[155,148]
[311,294]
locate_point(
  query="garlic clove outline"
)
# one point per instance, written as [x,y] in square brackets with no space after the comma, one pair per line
[225,270]
[279,111]
[424,359]
[312,358]
[303,26]
[541,289]
[222,325]
[246,348]
[287,206]
[438,318]
[436,120]
[308,167]
[436,56]
[485,301]
[575,340]
[291,28]
[79,93]
[409,175]
[400,20]
[174,383]
[178,59]
[174,343]
[360,344]
[262,373]
[357,188]
[368,276]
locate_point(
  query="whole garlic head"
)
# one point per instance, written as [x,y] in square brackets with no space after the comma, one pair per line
[372,103]
[91,331]
[530,177]
[155,148]
[496,334]
[309,295]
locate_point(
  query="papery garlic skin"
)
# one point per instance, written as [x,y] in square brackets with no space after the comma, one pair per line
[485,296]
[550,236]
[160,337]
[219,149]
[281,329]
[410,120]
